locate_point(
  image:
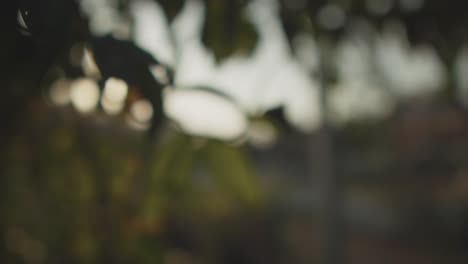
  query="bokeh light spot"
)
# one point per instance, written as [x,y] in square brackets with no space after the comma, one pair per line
[84,95]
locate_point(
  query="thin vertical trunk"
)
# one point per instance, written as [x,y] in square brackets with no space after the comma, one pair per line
[328,183]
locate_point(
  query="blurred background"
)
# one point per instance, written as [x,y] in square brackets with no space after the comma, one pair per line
[241,131]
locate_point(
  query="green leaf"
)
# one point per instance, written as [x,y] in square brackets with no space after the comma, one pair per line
[232,171]
[170,174]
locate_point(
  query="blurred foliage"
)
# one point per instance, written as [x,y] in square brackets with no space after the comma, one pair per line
[71,189]
[85,189]
[235,35]
[171,7]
